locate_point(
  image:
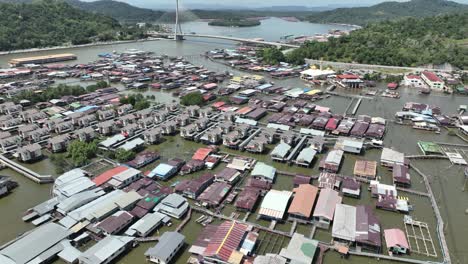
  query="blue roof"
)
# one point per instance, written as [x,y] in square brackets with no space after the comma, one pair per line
[264,86]
[163,170]
[86,108]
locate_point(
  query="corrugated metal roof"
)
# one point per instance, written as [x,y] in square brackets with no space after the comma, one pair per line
[275,203]
[32,244]
[166,246]
[226,239]
[105,249]
[304,200]
[344,222]
[326,203]
[264,170]
[281,150]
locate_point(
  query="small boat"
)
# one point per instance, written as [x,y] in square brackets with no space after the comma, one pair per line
[6,185]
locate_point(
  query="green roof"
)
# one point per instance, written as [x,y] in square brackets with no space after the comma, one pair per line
[429,147]
[309,249]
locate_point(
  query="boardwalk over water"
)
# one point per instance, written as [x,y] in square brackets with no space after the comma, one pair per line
[36,177]
[440,221]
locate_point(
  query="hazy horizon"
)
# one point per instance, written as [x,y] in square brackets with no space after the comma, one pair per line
[155,4]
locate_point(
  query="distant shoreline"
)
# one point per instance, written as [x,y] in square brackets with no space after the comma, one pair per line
[95,44]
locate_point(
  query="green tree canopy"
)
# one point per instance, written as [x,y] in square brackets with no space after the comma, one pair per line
[192,99]
[271,55]
[81,153]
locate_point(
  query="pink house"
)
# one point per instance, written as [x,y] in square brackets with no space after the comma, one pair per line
[396,241]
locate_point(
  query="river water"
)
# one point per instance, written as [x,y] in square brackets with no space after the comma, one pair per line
[447,180]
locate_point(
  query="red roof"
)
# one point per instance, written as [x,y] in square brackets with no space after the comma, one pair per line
[332,124]
[218,104]
[392,85]
[413,77]
[347,76]
[226,240]
[106,176]
[431,76]
[395,237]
[201,153]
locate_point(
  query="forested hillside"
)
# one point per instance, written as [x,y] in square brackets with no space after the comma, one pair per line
[388,11]
[48,23]
[407,42]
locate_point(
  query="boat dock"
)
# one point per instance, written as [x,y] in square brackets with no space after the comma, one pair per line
[43,59]
[36,177]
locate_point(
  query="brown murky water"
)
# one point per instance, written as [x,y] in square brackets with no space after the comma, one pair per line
[447,180]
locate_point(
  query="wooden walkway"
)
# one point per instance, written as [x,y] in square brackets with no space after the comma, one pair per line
[36,177]
[427,157]
[440,221]
[179,227]
[386,257]
[220,216]
[419,231]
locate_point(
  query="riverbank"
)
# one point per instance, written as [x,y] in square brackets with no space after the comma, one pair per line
[94,44]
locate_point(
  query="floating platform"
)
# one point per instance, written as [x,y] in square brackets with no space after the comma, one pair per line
[43,59]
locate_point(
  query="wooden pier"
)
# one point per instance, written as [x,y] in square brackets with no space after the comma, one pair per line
[419,231]
[440,221]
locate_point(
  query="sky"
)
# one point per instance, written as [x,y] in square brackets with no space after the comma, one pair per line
[253,3]
[155,4]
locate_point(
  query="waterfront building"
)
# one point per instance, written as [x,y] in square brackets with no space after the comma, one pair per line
[106,250]
[432,80]
[247,199]
[349,145]
[194,187]
[368,234]
[124,109]
[351,187]
[214,194]
[26,249]
[264,172]
[152,136]
[163,171]
[167,247]
[344,224]
[413,81]
[332,161]
[269,258]
[391,157]
[225,241]
[118,177]
[115,223]
[85,134]
[68,204]
[274,204]
[280,151]
[29,153]
[325,208]
[58,143]
[87,120]
[401,176]
[396,242]
[147,224]
[303,202]
[365,169]
[105,115]
[174,205]
[300,249]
